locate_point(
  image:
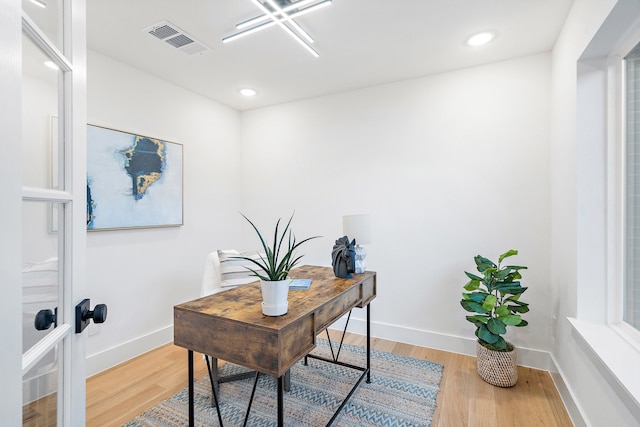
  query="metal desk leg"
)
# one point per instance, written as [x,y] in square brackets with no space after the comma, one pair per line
[287,380]
[190,362]
[368,343]
[253,393]
[280,401]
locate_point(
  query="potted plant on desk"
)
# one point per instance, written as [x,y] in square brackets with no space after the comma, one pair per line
[273,268]
[495,298]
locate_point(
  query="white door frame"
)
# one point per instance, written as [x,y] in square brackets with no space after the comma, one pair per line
[72,113]
[11,212]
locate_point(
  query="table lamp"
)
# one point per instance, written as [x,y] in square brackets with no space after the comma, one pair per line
[358,227]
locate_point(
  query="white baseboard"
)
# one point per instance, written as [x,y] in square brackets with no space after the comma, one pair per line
[113,356]
[567,396]
[526,356]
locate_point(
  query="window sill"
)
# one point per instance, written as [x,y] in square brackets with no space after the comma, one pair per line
[616,358]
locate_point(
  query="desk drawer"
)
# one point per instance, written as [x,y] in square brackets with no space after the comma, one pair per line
[331,312]
[367,291]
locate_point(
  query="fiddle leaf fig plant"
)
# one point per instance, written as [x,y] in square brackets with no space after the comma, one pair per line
[494,297]
[279,259]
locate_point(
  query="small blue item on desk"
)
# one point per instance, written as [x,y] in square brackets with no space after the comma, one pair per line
[300,284]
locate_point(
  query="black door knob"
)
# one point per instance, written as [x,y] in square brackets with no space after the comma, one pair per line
[84,314]
[98,314]
[45,318]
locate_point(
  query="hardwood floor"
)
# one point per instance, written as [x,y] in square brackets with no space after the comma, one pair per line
[125,391]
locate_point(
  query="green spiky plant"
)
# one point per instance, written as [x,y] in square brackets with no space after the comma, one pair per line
[279,259]
[495,298]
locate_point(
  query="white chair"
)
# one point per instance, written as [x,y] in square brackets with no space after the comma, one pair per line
[222,271]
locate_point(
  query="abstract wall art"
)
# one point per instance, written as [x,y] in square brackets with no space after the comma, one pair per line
[133,181]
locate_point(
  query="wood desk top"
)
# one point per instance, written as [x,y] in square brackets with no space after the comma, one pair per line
[230,325]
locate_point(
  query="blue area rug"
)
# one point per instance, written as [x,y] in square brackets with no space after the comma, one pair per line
[402,392]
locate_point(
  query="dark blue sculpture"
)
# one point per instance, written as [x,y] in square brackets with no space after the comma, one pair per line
[343,258]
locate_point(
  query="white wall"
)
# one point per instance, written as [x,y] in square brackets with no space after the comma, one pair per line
[437,161]
[142,273]
[449,166]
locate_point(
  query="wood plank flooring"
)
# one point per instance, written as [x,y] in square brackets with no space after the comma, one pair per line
[127,390]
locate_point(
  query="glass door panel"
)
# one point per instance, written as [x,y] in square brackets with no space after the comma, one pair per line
[40,391]
[41,96]
[41,272]
[47,15]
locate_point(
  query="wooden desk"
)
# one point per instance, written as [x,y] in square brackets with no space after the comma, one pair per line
[230,325]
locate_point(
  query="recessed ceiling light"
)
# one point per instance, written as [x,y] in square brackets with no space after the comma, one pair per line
[480,38]
[248,92]
[51,65]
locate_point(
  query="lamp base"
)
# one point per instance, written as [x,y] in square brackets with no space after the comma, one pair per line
[361,255]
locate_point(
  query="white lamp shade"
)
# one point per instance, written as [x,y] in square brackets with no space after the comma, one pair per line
[358,227]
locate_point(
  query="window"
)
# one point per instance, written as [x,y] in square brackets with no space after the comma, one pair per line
[631,288]
[606,328]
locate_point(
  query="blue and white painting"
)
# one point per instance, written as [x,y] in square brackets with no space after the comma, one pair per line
[132,180]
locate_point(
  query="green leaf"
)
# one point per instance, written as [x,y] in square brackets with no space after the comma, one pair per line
[522,323]
[478,320]
[489,271]
[502,310]
[279,259]
[475,296]
[514,298]
[507,254]
[473,276]
[503,273]
[489,302]
[516,267]
[472,306]
[496,327]
[510,288]
[513,276]
[512,319]
[509,285]
[485,335]
[472,285]
[519,308]
[499,345]
[483,263]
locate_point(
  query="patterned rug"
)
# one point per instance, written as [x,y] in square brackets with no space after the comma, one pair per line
[402,392]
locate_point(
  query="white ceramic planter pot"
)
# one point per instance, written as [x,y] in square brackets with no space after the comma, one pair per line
[499,368]
[274,297]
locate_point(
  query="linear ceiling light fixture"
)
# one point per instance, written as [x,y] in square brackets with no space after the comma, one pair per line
[288,30]
[297,5]
[277,15]
[270,23]
[290,21]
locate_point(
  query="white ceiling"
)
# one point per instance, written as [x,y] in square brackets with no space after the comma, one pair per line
[361,43]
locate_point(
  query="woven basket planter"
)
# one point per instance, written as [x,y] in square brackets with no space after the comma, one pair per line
[499,368]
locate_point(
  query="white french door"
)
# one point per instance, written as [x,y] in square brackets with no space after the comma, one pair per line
[43,219]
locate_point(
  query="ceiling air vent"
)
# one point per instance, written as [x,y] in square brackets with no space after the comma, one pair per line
[169,33]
